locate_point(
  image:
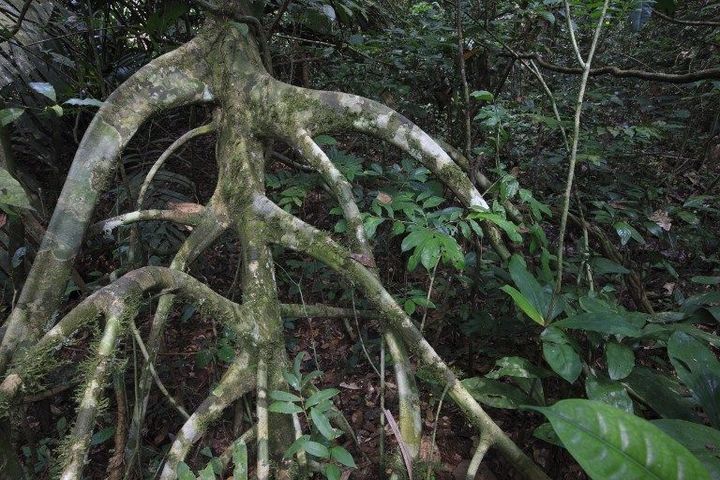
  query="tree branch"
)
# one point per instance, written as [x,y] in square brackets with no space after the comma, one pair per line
[679,78]
[679,21]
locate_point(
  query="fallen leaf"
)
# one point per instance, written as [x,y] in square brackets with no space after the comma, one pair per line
[384,198]
[662,219]
[669,288]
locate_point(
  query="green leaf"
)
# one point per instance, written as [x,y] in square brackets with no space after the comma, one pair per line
[102,436]
[296,446]
[321,395]
[342,456]
[281,396]
[371,224]
[332,471]
[611,444]
[698,368]
[608,391]
[9,115]
[607,323]
[317,449]
[184,472]
[297,364]
[11,192]
[523,304]
[496,394]
[705,280]
[538,295]
[284,407]
[207,473]
[620,360]
[482,95]
[563,359]
[44,88]
[325,140]
[292,380]
[603,266]
[626,231]
[546,433]
[56,109]
[661,393]
[323,424]
[702,441]
[517,367]
[240,460]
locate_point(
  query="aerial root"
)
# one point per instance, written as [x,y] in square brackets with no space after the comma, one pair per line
[291,232]
[211,226]
[237,380]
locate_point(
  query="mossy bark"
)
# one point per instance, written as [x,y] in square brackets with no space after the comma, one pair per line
[253,110]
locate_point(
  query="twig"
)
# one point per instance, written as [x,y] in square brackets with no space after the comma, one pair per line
[694,23]
[435,424]
[151,367]
[576,140]
[407,458]
[427,298]
[463,80]
[195,132]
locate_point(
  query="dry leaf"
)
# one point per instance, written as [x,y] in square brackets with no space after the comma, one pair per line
[662,219]
[669,288]
[384,198]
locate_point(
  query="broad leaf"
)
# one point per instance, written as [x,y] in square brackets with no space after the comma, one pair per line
[608,391]
[284,407]
[496,394]
[342,456]
[323,424]
[9,115]
[11,192]
[661,393]
[607,323]
[560,354]
[611,444]
[620,360]
[698,368]
[523,304]
[83,102]
[321,395]
[702,441]
[44,88]
[563,359]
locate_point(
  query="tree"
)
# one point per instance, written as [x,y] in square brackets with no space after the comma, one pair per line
[227,65]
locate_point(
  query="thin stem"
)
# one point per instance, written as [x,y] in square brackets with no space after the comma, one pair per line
[463,79]
[427,297]
[151,367]
[435,424]
[575,143]
[571,30]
